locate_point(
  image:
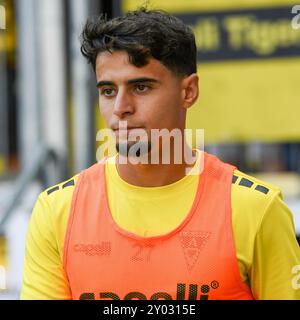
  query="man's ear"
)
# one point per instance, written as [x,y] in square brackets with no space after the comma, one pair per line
[190,90]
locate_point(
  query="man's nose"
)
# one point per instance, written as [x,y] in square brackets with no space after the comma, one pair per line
[123,105]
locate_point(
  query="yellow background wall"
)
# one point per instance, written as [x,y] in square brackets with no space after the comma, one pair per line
[242,100]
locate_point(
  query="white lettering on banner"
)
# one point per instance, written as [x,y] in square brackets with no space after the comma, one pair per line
[296,19]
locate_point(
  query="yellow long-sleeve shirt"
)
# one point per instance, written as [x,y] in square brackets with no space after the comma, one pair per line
[263,228]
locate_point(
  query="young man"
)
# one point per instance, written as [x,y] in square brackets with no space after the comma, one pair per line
[151,231]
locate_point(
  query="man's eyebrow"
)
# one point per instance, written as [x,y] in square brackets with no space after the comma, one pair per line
[141,80]
[104,83]
[132,81]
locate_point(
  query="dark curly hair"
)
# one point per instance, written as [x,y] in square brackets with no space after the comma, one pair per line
[142,34]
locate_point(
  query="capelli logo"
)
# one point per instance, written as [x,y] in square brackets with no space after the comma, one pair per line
[296,20]
[296,278]
[193,293]
[2,18]
[101,249]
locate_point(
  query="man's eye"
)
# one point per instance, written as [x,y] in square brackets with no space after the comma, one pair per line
[141,88]
[108,92]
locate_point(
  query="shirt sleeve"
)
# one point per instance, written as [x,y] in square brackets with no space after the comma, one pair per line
[43,275]
[276,255]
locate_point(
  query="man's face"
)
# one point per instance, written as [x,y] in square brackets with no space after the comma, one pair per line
[148,97]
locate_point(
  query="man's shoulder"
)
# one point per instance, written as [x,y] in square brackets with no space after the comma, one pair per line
[63,191]
[252,186]
[251,198]
[60,195]
[64,185]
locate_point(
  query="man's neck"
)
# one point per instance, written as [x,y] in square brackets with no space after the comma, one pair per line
[156,175]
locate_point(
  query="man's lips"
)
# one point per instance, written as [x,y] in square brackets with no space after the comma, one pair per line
[127,131]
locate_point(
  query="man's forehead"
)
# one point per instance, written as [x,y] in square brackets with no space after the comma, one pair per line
[117,64]
[109,55]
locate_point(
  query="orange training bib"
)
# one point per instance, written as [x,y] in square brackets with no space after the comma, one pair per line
[196,261]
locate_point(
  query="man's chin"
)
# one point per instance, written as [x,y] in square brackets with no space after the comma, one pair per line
[133,149]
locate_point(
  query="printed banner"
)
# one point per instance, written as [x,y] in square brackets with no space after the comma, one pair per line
[248,65]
